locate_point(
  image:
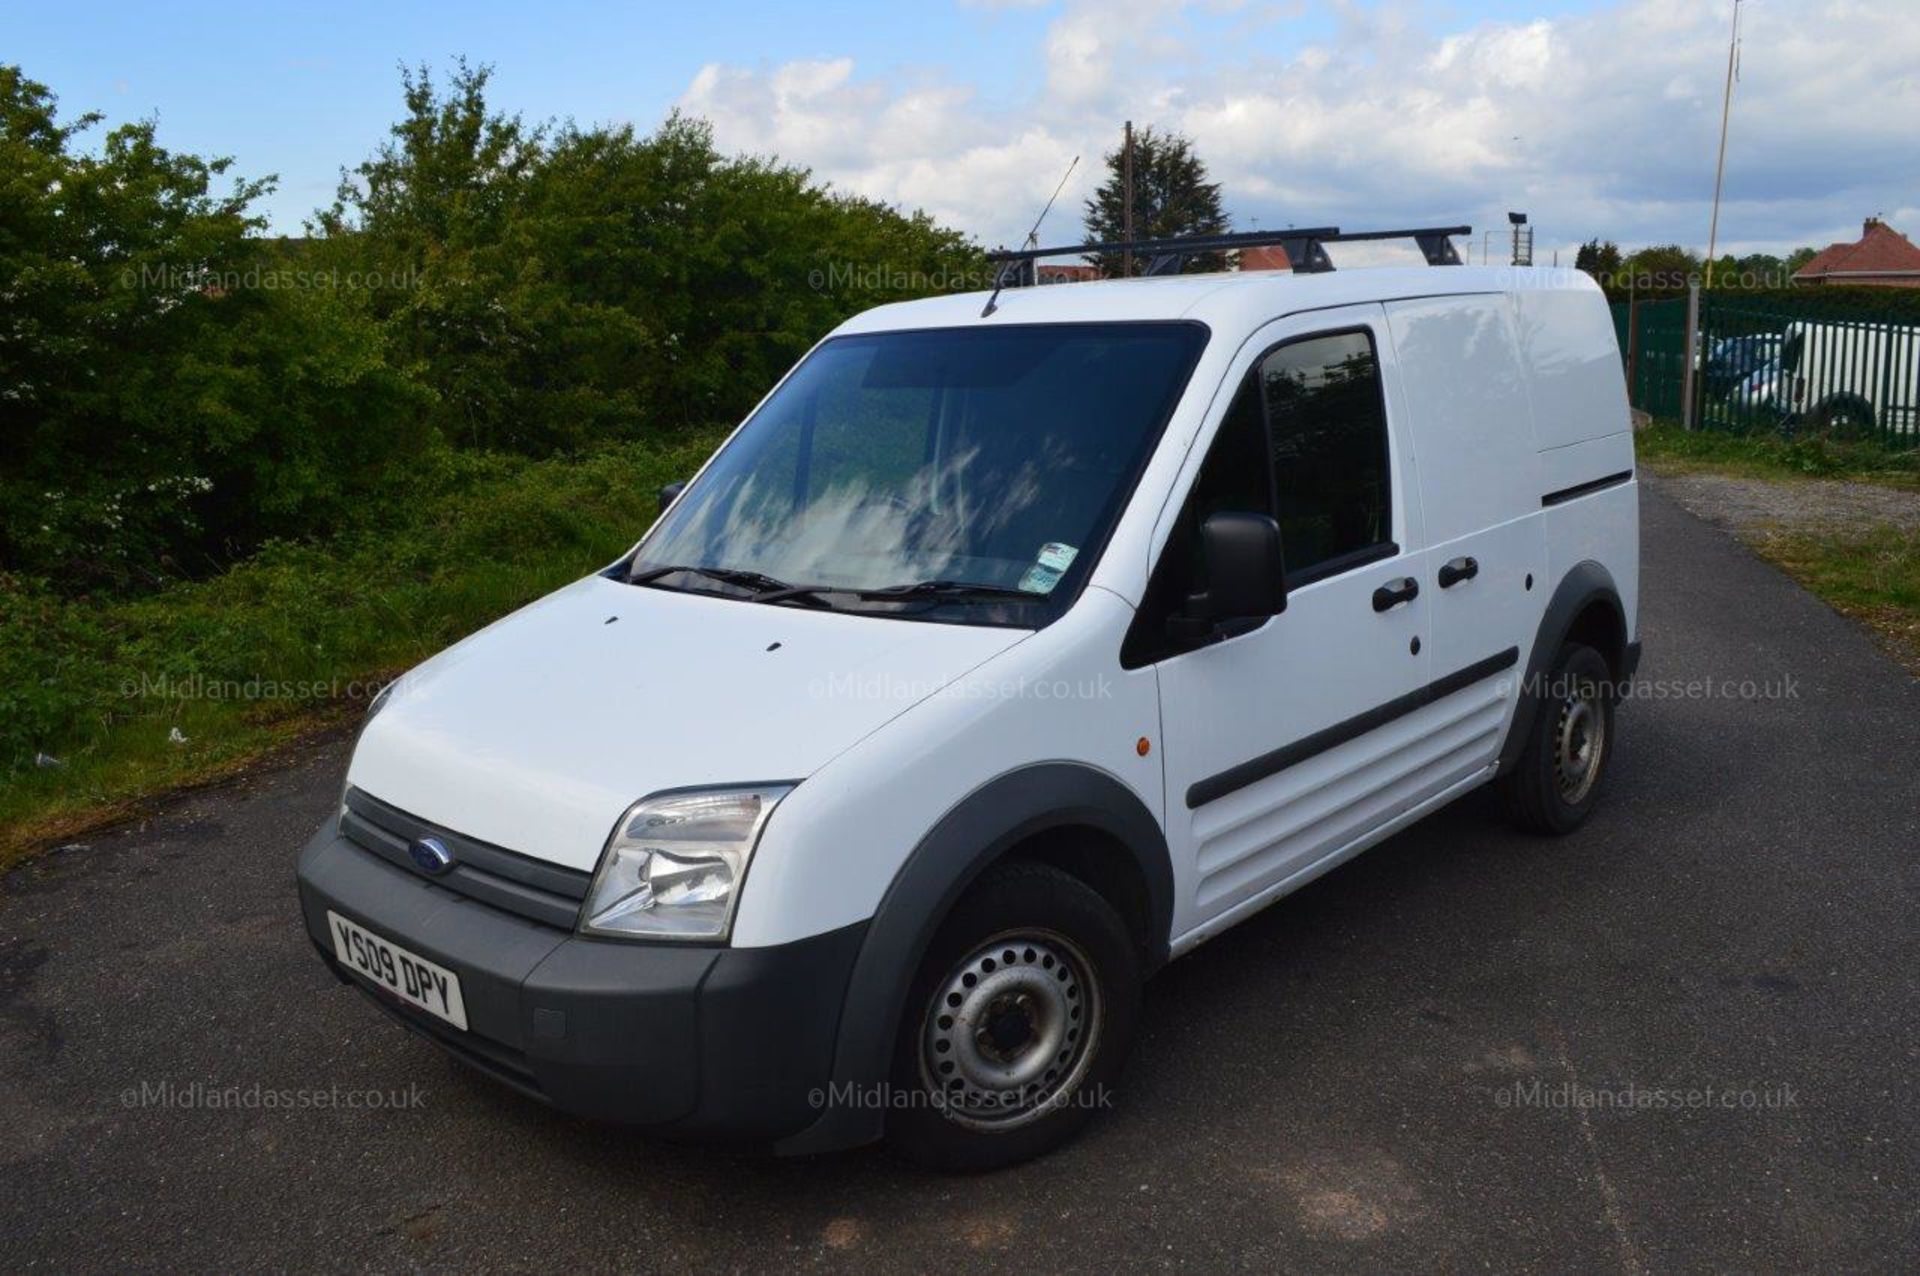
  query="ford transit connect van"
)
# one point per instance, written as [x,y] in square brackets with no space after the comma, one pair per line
[994,661]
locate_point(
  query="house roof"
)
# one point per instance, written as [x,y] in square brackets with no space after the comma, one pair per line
[1881,250]
[1265,257]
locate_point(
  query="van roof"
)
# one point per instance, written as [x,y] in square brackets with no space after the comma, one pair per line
[1225,301]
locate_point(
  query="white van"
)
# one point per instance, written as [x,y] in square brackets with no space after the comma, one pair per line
[1846,380]
[995,660]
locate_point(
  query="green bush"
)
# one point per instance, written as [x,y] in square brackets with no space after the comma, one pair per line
[163,405]
[300,627]
[176,391]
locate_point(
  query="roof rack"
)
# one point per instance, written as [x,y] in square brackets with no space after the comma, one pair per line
[1304,248]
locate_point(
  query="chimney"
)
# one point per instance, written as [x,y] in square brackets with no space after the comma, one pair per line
[1868,228]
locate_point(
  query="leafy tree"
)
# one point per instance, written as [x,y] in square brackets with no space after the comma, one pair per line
[580,284]
[176,389]
[1660,268]
[163,402]
[1171,196]
[1600,259]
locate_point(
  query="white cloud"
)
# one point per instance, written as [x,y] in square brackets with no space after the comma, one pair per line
[1599,124]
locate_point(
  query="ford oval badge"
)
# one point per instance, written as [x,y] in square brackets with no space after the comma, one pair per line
[431,854]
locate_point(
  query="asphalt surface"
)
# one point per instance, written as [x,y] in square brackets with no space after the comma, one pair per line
[1467,1049]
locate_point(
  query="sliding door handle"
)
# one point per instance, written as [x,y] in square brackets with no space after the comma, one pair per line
[1459,569]
[1395,592]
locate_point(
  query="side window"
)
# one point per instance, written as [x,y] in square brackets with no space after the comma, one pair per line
[1235,476]
[1327,422]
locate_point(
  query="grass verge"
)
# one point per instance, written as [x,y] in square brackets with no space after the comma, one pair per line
[1871,574]
[1672,450]
[141,697]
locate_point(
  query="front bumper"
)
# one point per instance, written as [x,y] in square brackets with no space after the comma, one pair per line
[724,1043]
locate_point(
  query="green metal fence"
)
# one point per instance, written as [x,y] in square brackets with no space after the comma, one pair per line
[1779,364]
[1852,377]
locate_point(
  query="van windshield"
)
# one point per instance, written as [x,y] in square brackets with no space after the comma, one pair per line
[995,457]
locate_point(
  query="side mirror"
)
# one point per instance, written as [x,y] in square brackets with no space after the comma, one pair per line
[669,492]
[1246,575]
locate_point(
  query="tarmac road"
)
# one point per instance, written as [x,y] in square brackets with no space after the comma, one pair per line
[1467,1049]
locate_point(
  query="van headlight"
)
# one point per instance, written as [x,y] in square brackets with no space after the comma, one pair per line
[673,867]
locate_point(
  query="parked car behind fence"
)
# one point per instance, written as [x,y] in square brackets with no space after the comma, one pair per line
[1781,364]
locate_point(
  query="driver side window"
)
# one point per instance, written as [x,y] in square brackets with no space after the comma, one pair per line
[1304,442]
[1236,475]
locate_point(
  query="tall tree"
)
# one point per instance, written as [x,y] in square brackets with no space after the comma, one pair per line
[169,393]
[577,284]
[1171,196]
[1599,258]
[1661,268]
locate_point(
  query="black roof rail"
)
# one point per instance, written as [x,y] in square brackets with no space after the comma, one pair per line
[1304,248]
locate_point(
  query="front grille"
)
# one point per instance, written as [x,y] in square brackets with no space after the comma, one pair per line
[529,888]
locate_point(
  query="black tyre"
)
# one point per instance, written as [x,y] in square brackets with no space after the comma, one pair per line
[1017,1024]
[1553,787]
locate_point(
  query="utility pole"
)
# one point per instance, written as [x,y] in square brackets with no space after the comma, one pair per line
[1720,166]
[1126,207]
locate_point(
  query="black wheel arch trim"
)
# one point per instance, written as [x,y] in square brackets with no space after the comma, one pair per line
[1583,585]
[972,835]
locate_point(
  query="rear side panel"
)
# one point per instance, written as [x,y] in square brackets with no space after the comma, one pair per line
[1587,497]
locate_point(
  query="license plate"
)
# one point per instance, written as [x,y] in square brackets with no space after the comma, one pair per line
[412,979]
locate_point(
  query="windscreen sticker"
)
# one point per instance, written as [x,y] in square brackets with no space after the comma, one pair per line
[1051,564]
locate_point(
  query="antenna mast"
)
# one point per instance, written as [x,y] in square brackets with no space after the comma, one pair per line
[1032,241]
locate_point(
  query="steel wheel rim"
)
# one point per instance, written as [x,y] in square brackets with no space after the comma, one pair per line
[1011,1030]
[1579,743]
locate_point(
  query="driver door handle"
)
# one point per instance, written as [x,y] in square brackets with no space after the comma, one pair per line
[1459,569]
[1395,592]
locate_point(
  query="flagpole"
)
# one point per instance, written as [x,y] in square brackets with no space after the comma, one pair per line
[1720,167]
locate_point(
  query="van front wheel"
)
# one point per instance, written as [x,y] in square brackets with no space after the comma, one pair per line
[1553,787]
[1018,1022]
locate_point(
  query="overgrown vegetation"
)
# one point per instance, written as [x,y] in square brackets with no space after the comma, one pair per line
[241,476]
[176,390]
[1770,456]
[102,702]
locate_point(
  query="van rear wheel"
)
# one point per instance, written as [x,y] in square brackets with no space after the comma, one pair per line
[1553,787]
[1017,1024]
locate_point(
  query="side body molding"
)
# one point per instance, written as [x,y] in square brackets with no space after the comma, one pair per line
[978,830]
[1588,582]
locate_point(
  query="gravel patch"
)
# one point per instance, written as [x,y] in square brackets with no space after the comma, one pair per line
[1748,506]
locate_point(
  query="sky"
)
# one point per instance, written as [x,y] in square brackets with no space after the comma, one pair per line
[1599,119]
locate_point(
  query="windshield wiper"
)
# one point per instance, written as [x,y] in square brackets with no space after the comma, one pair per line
[764,588]
[955,589]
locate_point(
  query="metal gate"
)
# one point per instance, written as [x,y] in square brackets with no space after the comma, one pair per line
[1653,338]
